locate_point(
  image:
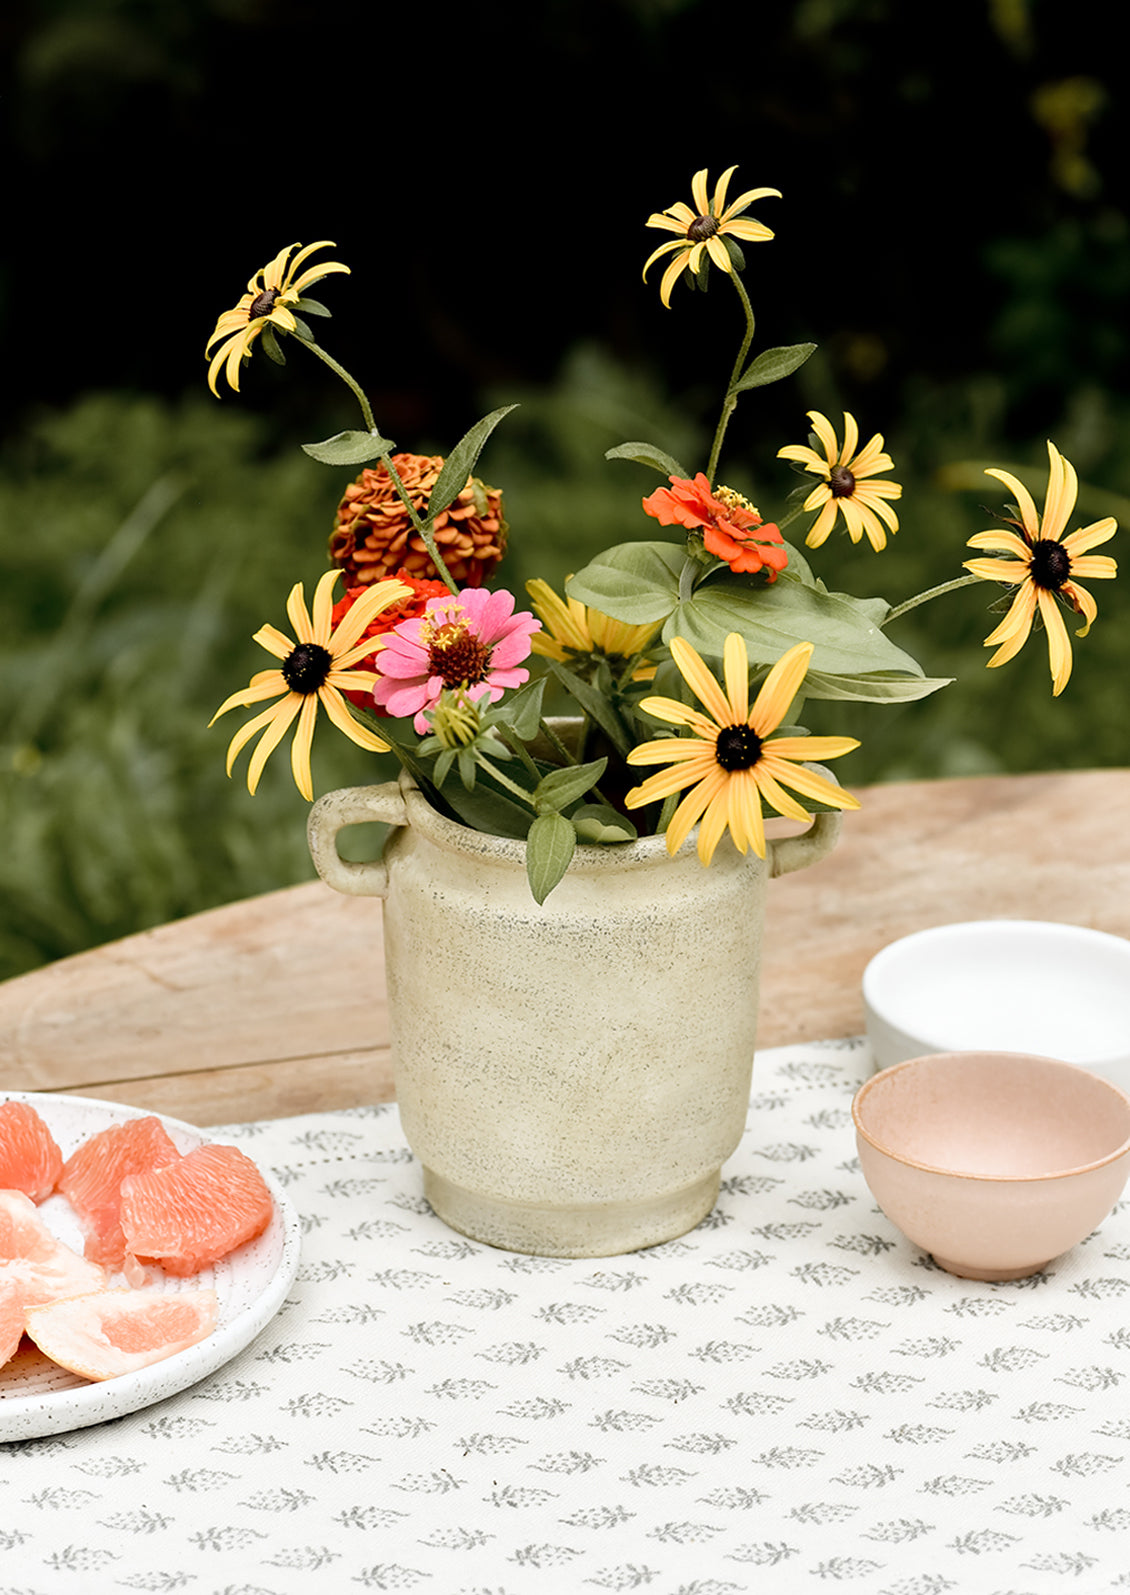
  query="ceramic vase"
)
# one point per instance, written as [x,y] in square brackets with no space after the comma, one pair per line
[571,1076]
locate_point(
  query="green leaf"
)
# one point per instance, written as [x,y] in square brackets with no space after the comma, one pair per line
[602,826]
[879,686]
[595,705]
[772,365]
[549,848]
[311,307]
[634,582]
[460,463]
[269,343]
[350,448]
[521,710]
[301,330]
[565,785]
[737,259]
[844,629]
[648,454]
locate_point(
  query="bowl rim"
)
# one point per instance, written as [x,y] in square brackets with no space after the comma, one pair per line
[964,1174]
[888,953]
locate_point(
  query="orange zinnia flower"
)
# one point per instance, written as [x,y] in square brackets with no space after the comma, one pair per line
[731,527]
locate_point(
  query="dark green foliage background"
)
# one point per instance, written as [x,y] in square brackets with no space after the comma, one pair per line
[953,234]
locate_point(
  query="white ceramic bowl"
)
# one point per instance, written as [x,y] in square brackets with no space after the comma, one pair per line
[1014,985]
[994,1162]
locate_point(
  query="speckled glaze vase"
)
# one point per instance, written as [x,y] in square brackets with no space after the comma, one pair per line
[571,1077]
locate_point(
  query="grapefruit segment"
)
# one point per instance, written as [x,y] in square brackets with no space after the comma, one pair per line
[30,1160]
[91,1180]
[34,1267]
[191,1213]
[112,1332]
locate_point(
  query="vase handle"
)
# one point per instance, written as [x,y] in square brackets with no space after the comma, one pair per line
[790,853]
[352,805]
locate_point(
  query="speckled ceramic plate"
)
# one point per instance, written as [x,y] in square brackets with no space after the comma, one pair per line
[37,1397]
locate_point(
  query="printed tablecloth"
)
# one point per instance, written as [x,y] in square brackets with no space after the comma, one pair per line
[792,1396]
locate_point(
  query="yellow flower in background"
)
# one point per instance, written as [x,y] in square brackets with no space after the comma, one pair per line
[1044,567]
[731,758]
[703,228]
[570,627]
[315,670]
[847,489]
[268,302]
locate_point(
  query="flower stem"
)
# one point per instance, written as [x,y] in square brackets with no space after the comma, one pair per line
[423,528]
[354,387]
[730,402]
[504,780]
[563,753]
[931,592]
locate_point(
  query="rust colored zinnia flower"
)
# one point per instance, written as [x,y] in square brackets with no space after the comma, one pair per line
[373,535]
[409,607]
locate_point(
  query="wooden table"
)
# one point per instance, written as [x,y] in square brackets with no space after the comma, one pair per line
[276,1006]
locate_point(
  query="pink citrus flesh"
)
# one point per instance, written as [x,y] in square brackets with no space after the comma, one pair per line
[91,1180]
[35,1267]
[113,1332]
[189,1214]
[30,1160]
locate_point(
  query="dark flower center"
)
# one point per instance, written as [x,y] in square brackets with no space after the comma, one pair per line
[306,669]
[1050,564]
[702,228]
[841,481]
[457,656]
[737,747]
[263,303]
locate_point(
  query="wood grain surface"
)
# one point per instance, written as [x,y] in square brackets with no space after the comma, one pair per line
[276,1006]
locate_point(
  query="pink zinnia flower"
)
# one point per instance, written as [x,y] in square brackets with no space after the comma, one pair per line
[472,640]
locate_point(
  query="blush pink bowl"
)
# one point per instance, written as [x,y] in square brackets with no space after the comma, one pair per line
[994,1162]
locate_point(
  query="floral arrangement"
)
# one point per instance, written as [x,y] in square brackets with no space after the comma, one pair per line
[694,654]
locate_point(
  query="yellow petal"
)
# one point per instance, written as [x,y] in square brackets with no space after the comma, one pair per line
[338,712]
[826,433]
[374,601]
[718,203]
[1005,541]
[780,688]
[805,456]
[851,438]
[701,682]
[809,750]
[671,274]
[299,614]
[809,783]
[323,608]
[735,664]
[1092,536]
[689,811]
[274,641]
[1084,604]
[714,822]
[818,531]
[1023,500]
[268,684]
[1059,500]
[300,748]
[998,570]
[746,824]
[672,750]
[1059,643]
